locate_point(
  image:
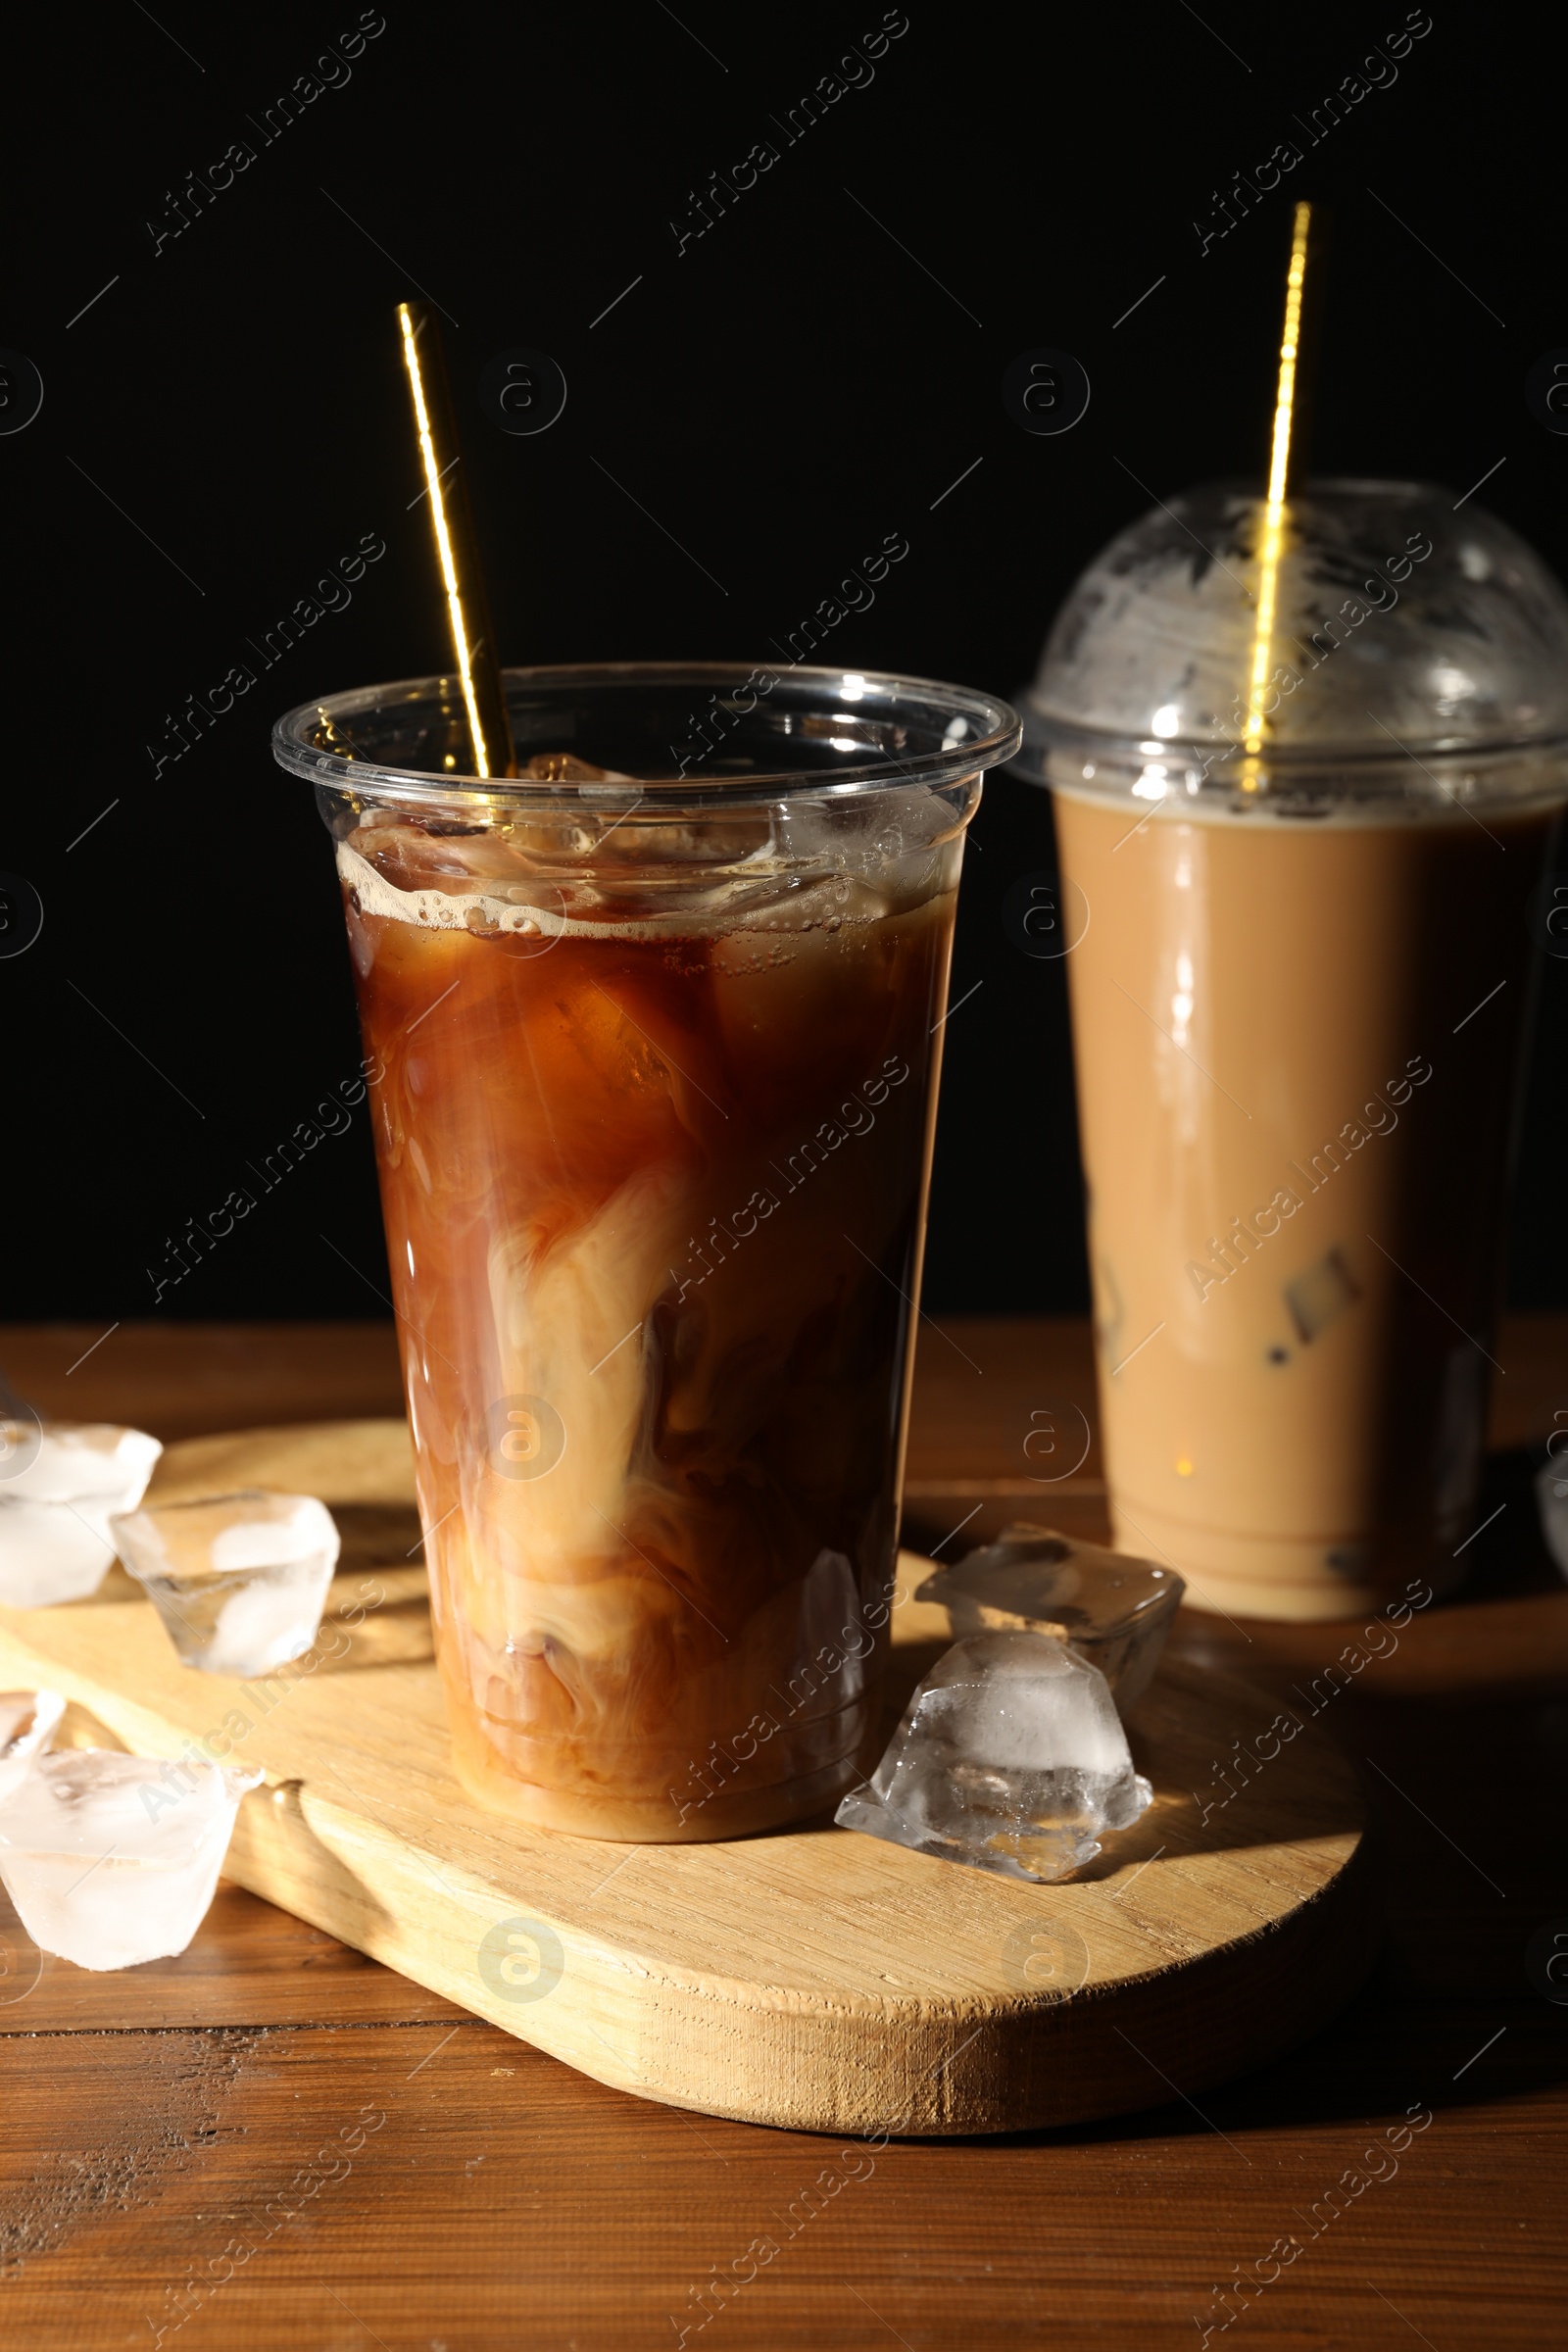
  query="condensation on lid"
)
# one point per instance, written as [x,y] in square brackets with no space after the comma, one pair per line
[1407,621]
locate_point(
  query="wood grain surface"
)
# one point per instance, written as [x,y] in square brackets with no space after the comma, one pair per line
[155,2119]
[814,1978]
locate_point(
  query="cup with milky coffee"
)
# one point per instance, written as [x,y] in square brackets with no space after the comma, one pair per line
[1304,896]
[652,1031]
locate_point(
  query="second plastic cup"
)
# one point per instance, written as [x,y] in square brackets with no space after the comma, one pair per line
[1300,979]
[653,1037]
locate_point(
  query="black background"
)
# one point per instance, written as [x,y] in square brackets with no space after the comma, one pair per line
[228,418]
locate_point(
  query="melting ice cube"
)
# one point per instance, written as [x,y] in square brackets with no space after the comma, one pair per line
[1320,1296]
[113,1859]
[62,1461]
[27,1720]
[1114,1610]
[60,1484]
[239,1580]
[564,767]
[1010,1756]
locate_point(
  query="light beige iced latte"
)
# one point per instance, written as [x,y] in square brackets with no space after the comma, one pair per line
[1296,1046]
[1299,993]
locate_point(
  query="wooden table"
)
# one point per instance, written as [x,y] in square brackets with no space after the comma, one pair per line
[410,2177]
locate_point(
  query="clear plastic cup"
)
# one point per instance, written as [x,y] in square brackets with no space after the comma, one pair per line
[1300,913]
[653,1037]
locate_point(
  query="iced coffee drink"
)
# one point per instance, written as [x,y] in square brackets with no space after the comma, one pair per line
[653,1035]
[1299,998]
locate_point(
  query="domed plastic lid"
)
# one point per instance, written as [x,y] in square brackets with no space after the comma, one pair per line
[1406,624]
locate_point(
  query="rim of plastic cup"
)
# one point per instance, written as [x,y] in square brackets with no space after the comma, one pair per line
[991,733]
[1046,730]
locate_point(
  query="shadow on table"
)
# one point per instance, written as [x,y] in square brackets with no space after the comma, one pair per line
[1465,1802]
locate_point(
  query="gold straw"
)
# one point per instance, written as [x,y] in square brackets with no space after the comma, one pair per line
[457,550]
[1271,545]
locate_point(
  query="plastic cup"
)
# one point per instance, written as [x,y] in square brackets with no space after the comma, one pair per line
[1299,969]
[653,1037]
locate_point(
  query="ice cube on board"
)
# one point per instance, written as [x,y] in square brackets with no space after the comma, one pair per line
[113,1859]
[27,1720]
[1112,1609]
[61,1461]
[60,1484]
[1010,1756]
[239,1580]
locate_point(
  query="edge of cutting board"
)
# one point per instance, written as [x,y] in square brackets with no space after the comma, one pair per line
[812,1978]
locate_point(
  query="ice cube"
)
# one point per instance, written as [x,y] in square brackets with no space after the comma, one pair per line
[564,767]
[60,1484]
[113,1859]
[239,1581]
[65,1461]
[867,831]
[1552,1501]
[52,1551]
[1010,1756]
[1114,1610]
[1320,1296]
[27,1720]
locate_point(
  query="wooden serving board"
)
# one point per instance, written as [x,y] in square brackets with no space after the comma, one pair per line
[812,1978]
